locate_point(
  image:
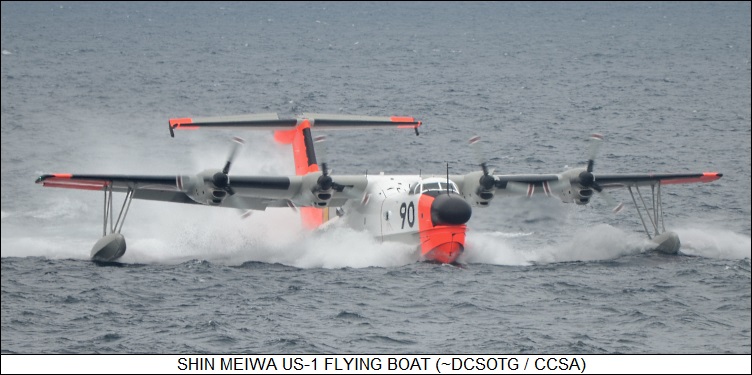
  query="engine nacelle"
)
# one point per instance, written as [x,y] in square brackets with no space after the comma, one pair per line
[322,197]
[481,188]
[570,190]
[483,197]
[205,188]
[583,195]
[321,187]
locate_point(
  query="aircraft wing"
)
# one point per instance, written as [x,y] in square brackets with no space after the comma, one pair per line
[259,192]
[249,192]
[526,178]
[574,185]
[611,180]
[645,179]
[161,188]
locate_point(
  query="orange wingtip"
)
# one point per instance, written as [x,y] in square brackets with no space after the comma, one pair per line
[182,123]
[706,177]
[710,176]
[405,119]
[401,119]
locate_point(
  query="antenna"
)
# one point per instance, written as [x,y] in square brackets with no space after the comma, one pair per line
[447,178]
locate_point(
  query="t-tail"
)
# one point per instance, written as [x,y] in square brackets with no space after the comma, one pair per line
[296,131]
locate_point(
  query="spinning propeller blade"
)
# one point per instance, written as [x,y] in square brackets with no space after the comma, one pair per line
[596,141]
[221,179]
[319,140]
[586,179]
[237,144]
[325,182]
[487,181]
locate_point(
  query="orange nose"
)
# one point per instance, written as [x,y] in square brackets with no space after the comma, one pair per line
[446,252]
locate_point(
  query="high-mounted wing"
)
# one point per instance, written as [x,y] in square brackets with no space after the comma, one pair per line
[583,184]
[644,179]
[481,186]
[160,188]
[210,187]
[248,192]
[575,185]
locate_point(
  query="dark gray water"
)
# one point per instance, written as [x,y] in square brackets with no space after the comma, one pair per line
[88,88]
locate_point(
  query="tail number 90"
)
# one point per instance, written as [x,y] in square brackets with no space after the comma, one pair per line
[407,213]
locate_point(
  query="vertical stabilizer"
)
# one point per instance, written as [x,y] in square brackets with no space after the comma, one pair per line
[305,162]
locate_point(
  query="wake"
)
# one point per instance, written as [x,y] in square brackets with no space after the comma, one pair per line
[184,233]
[714,243]
[600,242]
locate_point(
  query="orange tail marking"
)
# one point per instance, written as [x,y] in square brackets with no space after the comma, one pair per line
[312,217]
[285,137]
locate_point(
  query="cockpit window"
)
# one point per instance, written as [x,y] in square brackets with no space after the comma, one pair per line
[436,186]
[431,186]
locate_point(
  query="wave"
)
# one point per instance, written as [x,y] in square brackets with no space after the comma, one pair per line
[714,243]
[600,242]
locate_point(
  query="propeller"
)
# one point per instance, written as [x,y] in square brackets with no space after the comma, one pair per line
[587,179]
[487,181]
[324,182]
[221,179]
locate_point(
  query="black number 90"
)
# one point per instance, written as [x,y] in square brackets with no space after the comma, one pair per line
[407,212]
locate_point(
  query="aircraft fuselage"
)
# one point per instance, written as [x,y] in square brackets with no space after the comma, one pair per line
[414,210]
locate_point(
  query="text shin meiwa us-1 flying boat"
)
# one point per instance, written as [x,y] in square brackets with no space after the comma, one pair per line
[428,211]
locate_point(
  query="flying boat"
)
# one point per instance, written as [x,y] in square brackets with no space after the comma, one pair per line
[430,212]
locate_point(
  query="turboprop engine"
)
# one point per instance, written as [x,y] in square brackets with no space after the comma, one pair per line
[211,186]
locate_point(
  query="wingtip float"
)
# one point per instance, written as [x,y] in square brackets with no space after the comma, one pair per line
[430,212]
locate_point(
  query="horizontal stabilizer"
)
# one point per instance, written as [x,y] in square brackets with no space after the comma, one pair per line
[272,121]
[335,121]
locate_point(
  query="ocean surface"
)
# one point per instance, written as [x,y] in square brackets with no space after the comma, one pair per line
[89,88]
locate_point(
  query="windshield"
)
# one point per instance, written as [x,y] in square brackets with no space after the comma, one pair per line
[440,186]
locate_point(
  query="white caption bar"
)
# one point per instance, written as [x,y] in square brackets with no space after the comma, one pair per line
[375,364]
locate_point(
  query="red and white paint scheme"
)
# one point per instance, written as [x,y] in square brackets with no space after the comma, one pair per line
[430,212]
